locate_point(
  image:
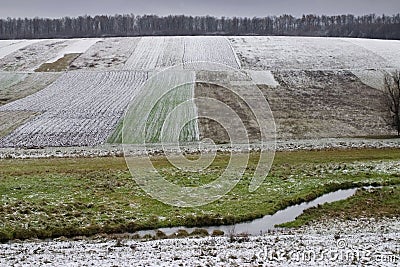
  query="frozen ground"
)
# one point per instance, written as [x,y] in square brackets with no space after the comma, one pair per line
[275,52]
[79,109]
[78,46]
[153,53]
[313,97]
[9,46]
[262,77]
[116,150]
[313,104]
[387,49]
[30,57]
[372,78]
[106,54]
[14,85]
[329,243]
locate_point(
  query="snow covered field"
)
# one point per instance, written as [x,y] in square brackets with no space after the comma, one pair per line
[79,109]
[78,46]
[389,50]
[31,56]
[9,46]
[317,53]
[161,52]
[76,102]
[328,243]
[106,54]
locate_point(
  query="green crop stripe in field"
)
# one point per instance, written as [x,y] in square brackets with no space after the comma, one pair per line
[154,110]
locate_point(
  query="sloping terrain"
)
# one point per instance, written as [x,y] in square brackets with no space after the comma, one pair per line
[316,104]
[316,87]
[315,53]
[106,54]
[79,109]
[30,57]
[161,52]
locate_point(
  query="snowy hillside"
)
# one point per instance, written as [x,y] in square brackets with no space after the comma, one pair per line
[310,83]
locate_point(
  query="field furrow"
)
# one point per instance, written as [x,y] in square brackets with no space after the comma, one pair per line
[10,120]
[152,117]
[79,109]
[195,53]
[205,49]
[147,54]
[14,85]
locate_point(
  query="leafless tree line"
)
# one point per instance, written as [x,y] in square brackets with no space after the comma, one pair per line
[367,26]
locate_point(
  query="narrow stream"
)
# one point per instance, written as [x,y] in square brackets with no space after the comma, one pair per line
[268,222]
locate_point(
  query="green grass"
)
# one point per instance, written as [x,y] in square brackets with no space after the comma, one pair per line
[378,202]
[69,197]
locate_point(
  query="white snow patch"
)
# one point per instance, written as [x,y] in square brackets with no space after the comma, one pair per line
[387,49]
[263,77]
[315,53]
[372,78]
[12,47]
[78,46]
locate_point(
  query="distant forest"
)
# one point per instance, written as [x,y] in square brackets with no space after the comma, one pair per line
[368,26]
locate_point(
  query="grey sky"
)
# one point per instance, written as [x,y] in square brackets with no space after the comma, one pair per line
[249,8]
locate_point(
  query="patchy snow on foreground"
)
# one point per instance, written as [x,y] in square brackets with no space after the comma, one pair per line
[330,243]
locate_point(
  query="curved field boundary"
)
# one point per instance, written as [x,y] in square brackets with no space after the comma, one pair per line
[15,86]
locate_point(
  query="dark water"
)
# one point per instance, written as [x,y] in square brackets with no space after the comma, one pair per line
[268,222]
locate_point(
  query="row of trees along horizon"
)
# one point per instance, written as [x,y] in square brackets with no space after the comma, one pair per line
[367,26]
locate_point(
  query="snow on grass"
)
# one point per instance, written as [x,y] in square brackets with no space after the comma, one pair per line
[215,49]
[147,53]
[277,52]
[10,79]
[9,47]
[263,77]
[107,54]
[79,109]
[4,43]
[30,57]
[151,117]
[372,78]
[78,46]
[330,243]
[9,120]
[389,50]
[154,53]
[14,86]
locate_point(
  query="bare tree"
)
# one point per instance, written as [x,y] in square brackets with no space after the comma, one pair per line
[392,89]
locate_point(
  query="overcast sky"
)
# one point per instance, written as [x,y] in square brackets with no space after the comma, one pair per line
[229,8]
